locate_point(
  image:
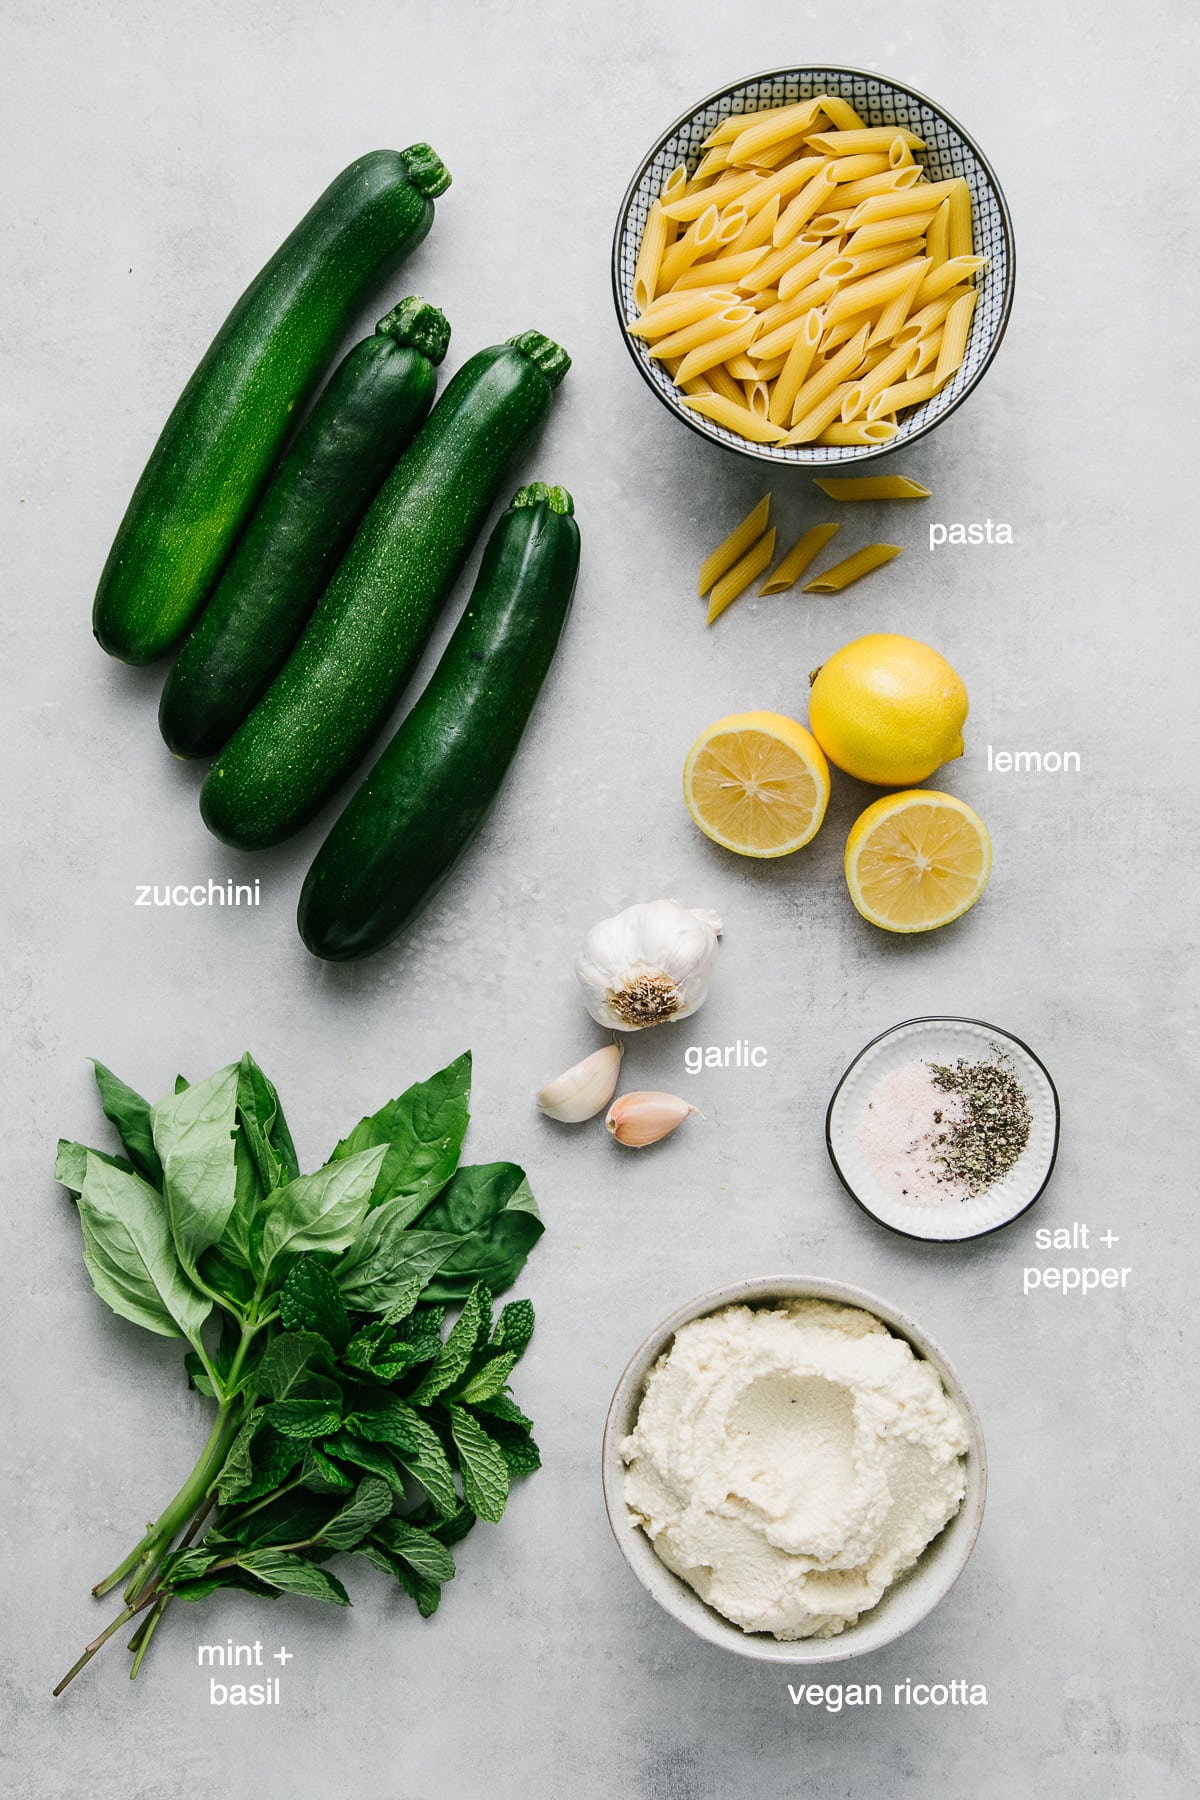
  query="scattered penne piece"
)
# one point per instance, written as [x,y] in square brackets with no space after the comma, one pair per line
[853,569]
[727,552]
[741,575]
[871,487]
[788,572]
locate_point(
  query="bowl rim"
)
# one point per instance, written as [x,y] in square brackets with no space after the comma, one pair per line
[707,1623]
[864,452]
[919,1237]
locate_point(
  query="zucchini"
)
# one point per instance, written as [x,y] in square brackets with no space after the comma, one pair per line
[430,791]
[218,447]
[334,693]
[376,400]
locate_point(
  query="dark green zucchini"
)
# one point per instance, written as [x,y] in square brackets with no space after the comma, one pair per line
[334,693]
[430,791]
[374,404]
[220,443]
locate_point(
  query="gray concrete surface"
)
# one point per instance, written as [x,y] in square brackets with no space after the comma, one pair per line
[154,156]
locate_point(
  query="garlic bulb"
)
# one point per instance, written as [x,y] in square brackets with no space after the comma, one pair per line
[584,1089]
[648,964]
[643,1118]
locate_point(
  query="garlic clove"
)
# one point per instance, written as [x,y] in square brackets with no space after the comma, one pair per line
[644,1117]
[584,1089]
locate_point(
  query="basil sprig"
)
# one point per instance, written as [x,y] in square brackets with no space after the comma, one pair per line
[347,1418]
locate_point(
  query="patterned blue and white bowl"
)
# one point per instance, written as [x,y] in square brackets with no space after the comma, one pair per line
[879,101]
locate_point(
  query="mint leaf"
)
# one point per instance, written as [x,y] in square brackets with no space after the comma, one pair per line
[288,1360]
[302,1418]
[485,1381]
[193,1135]
[363,1455]
[320,1472]
[458,1349]
[422,1552]
[293,1574]
[310,1301]
[514,1327]
[129,1254]
[321,1211]
[393,1423]
[430,1466]
[521,1455]
[501,1406]
[422,1131]
[491,1207]
[386,1258]
[130,1114]
[484,1471]
[371,1503]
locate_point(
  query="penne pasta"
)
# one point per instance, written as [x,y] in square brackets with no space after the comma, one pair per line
[721,268]
[651,250]
[866,141]
[873,290]
[895,313]
[811,268]
[871,487]
[878,431]
[947,275]
[735,545]
[890,231]
[840,113]
[735,415]
[903,393]
[858,168]
[796,365]
[830,224]
[674,185]
[849,267]
[899,154]
[828,376]
[937,238]
[791,567]
[929,318]
[811,199]
[853,569]
[954,339]
[696,239]
[896,181]
[779,122]
[887,206]
[961,232]
[710,164]
[729,128]
[741,575]
[729,187]
[812,423]
[717,350]
[718,323]
[921,353]
[755,232]
[758,398]
[673,310]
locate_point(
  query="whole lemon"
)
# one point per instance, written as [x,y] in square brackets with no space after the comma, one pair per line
[888,710]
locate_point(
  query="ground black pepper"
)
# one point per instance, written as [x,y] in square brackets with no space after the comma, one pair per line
[980,1148]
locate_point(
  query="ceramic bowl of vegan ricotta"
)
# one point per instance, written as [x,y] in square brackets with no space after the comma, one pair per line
[793,1469]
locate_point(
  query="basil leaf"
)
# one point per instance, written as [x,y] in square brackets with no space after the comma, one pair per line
[294,1575]
[423,1131]
[70,1165]
[457,1350]
[310,1301]
[484,1471]
[385,1258]
[422,1552]
[371,1503]
[264,1126]
[321,1211]
[287,1361]
[193,1135]
[129,1254]
[131,1115]
[491,1206]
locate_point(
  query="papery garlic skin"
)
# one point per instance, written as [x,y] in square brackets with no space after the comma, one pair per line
[645,1117]
[585,1089]
[648,964]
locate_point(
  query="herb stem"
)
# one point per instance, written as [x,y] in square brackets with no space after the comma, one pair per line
[122,1618]
[139,1643]
[143,1557]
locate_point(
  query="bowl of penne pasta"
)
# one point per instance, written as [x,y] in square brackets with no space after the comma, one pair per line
[814,266]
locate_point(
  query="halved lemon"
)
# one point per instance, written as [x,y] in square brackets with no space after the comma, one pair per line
[757,783]
[916,860]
